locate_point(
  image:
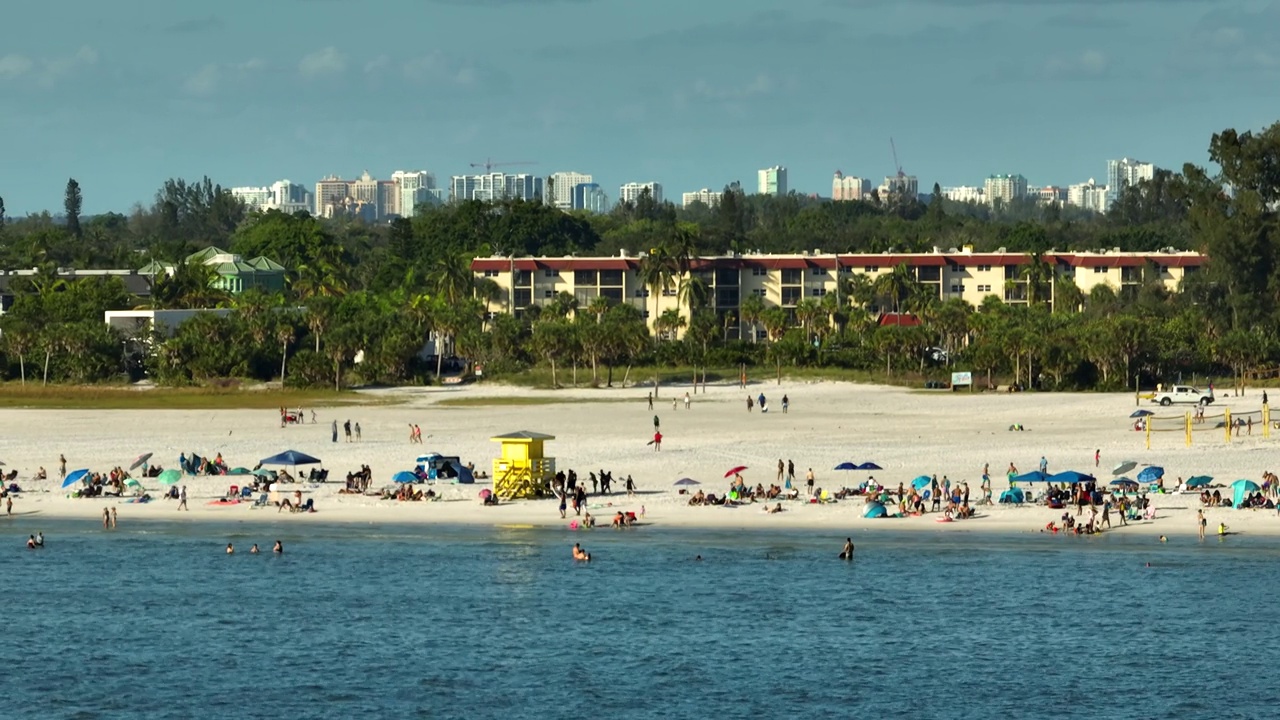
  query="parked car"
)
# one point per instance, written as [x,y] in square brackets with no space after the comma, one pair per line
[1182,394]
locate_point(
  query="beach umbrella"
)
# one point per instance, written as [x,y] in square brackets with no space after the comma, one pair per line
[1124,482]
[263,472]
[846,465]
[1151,473]
[1199,481]
[686,482]
[74,477]
[239,471]
[1124,467]
[1032,477]
[922,481]
[169,477]
[1140,413]
[869,466]
[485,494]
[404,476]
[139,461]
[291,457]
[735,471]
[1070,477]
[132,482]
[1239,488]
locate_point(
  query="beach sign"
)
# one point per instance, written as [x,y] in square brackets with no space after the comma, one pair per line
[959,379]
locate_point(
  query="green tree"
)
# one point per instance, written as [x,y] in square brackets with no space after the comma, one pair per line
[71,204]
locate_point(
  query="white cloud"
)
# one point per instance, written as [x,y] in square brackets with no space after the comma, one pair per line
[209,78]
[323,62]
[702,90]
[377,64]
[47,70]
[12,66]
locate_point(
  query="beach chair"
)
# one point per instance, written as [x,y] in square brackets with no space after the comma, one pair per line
[262,501]
[246,492]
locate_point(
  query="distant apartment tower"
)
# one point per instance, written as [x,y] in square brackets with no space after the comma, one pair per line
[1051,195]
[1004,188]
[560,194]
[331,192]
[590,197]
[899,185]
[965,194]
[772,181]
[254,198]
[849,187]
[1089,196]
[1125,173]
[413,189]
[632,191]
[706,196]
[495,186]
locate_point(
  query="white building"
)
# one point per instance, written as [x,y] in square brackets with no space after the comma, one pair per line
[965,194]
[560,194]
[1125,173]
[1004,188]
[590,197]
[282,195]
[413,189]
[849,187]
[901,185]
[632,191]
[1090,196]
[495,186]
[706,196]
[772,181]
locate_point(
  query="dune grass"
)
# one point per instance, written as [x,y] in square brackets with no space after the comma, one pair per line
[519,401]
[131,398]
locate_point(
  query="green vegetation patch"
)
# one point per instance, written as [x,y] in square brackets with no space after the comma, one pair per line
[124,398]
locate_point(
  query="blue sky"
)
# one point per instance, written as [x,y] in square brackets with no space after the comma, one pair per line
[123,95]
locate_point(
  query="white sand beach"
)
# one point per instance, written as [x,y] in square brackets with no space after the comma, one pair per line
[908,433]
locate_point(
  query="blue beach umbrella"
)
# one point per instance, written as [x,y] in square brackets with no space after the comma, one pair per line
[869,466]
[74,477]
[1239,488]
[1033,477]
[404,476]
[846,466]
[921,482]
[1141,413]
[1151,473]
[1199,481]
[685,482]
[291,457]
[1124,482]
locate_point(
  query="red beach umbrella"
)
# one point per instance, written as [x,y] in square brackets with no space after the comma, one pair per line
[735,471]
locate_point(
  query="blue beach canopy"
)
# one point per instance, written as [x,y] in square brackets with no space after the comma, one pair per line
[404,476]
[1071,477]
[1151,474]
[74,477]
[1013,496]
[869,466]
[846,466]
[291,457]
[1031,477]
[875,510]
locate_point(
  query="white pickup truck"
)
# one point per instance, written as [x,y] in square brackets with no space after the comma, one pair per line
[1181,394]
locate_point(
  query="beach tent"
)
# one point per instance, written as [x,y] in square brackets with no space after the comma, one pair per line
[923,481]
[1199,481]
[1070,477]
[1013,495]
[74,477]
[290,457]
[875,510]
[1239,489]
[1032,477]
[435,466]
[1151,473]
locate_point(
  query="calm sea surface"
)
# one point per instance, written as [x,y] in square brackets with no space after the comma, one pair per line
[156,621]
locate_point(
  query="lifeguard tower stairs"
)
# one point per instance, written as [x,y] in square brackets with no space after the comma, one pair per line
[523,471]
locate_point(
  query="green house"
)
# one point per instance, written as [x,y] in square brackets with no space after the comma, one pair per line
[233,274]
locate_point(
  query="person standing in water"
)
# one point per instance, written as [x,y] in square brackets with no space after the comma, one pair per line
[254,550]
[113,518]
[106,518]
[230,550]
[1201,521]
[278,549]
[847,552]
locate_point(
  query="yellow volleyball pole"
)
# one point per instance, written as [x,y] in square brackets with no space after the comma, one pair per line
[1226,413]
[1148,426]
[1188,426]
[1266,421]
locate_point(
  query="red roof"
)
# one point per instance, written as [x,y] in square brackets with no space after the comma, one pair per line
[899,319]
[1110,261]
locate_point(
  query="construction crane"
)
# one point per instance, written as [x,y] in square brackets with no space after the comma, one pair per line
[897,166]
[489,164]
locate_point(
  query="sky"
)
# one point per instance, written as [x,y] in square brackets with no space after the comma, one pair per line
[691,94]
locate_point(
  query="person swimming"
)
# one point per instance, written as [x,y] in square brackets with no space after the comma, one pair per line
[230,550]
[847,552]
[1164,539]
[278,548]
[39,539]
[31,542]
[254,550]
[580,554]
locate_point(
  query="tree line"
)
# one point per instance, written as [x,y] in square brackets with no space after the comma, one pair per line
[375,292]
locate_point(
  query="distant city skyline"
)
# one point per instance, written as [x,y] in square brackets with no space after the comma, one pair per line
[248,93]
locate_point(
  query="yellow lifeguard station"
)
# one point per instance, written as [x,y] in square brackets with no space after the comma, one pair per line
[522,471]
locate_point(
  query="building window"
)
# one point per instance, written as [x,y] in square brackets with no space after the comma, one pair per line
[819,292]
[871,269]
[548,294]
[668,292]
[523,277]
[758,292]
[1099,270]
[984,288]
[585,277]
[523,297]
[819,271]
[613,293]
[1164,269]
[929,274]
[726,277]
[957,268]
[790,295]
[550,273]
[792,276]
[957,288]
[610,277]
[491,273]
[641,292]
[984,268]
[758,271]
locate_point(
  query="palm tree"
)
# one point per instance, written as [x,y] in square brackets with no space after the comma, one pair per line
[655,272]
[808,311]
[751,311]
[488,292]
[898,285]
[598,306]
[451,278]
[1038,275]
[669,323]
[20,338]
[285,334]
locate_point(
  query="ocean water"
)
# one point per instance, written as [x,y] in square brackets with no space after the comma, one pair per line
[155,621]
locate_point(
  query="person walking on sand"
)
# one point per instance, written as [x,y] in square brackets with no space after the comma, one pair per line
[791,472]
[686,400]
[182,499]
[786,403]
[417,434]
[631,487]
[675,404]
[781,469]
[1097,457]
[62,466]
[8,505]
[346,429]
[1201,521]
[657,441]
[335,431]
[808,481]
[650,400]
[655,422]
[750,403]
[357,432]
